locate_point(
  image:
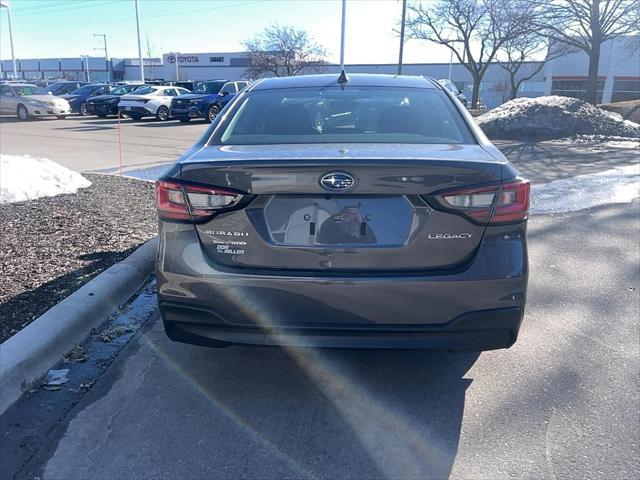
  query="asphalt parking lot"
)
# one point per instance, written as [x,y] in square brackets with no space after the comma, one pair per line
[562,403]
[92,144]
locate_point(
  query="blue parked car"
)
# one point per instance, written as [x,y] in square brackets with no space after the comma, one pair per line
[78,98]
[206,101]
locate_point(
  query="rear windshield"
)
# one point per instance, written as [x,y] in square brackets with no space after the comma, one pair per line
[144,90]
[208,87]
[352,115]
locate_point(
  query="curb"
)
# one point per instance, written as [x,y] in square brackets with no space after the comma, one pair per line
[30,353]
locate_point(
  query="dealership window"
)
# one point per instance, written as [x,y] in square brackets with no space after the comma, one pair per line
[575,89]
[626,90]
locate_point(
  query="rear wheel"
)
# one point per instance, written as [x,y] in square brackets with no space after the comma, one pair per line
[61,117]
[212,113]
[135,116]
[162,114]
[23,113]
[184,119]
[83,109]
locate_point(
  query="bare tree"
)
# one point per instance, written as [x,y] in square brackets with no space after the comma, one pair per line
[586,25]
[283,51]
[481,26]
[525,56]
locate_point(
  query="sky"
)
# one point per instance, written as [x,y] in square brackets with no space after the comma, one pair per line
[65,28]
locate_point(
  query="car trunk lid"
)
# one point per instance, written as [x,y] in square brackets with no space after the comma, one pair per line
[385,222]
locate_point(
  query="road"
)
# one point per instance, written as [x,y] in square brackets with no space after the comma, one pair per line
[90,144]
[562,403]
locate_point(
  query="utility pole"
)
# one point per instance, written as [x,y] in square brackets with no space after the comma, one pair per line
[139,43]
[5,4]
[404,16]
[106,54]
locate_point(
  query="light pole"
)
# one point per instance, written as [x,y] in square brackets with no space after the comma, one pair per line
[139,43]
[5,4]
[458,40]
[404,16]
[106,54]
[86,65]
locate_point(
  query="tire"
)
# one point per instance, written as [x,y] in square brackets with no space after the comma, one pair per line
[82,110]
[61,117]
[22,113]
[184,119]
[212,113]
[162,113]
[135,117]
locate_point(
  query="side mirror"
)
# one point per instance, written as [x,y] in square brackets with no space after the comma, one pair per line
[224,93]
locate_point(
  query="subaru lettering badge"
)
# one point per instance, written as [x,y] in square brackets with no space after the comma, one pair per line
[337,181]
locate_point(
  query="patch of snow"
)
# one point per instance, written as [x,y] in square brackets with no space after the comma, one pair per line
[553,117]
[600,140]
[618,185]
[23,177]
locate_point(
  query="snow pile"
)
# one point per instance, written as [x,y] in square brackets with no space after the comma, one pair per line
[23,177]
[618,185]
[546,118]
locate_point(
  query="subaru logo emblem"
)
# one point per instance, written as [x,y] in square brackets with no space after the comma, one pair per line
[337,181]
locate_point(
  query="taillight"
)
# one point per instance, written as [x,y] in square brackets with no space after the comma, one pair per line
[497,204]
[513,202]
[178,201]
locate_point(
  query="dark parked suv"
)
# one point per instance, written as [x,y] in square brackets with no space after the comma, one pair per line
[372,213]
[206,100]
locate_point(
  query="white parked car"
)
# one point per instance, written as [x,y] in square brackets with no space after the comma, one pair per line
[149,101]
[25,101]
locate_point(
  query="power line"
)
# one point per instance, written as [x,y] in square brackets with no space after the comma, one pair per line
[78,7]
[57,27]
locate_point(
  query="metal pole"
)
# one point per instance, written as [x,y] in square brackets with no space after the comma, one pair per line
[450,63]
[404,15]
[176,54]
[6,5]
[86,66]
[344,14]
[139,43]
[106,53]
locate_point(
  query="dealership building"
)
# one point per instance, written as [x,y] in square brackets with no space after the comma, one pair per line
[618,71]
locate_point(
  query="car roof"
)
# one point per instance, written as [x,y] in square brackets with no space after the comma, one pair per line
[21,85]
[355,80]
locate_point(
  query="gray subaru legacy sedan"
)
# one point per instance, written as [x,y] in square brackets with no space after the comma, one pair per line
[369,213]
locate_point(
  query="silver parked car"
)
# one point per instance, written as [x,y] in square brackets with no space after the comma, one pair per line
[26,100]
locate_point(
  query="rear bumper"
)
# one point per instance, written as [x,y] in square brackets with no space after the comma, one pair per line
[141,111]
[479,307]
[480,330]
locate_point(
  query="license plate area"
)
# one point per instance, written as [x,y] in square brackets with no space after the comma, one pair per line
[339,220]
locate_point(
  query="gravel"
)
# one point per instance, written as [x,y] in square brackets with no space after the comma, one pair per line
[52,246]
[553,117]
